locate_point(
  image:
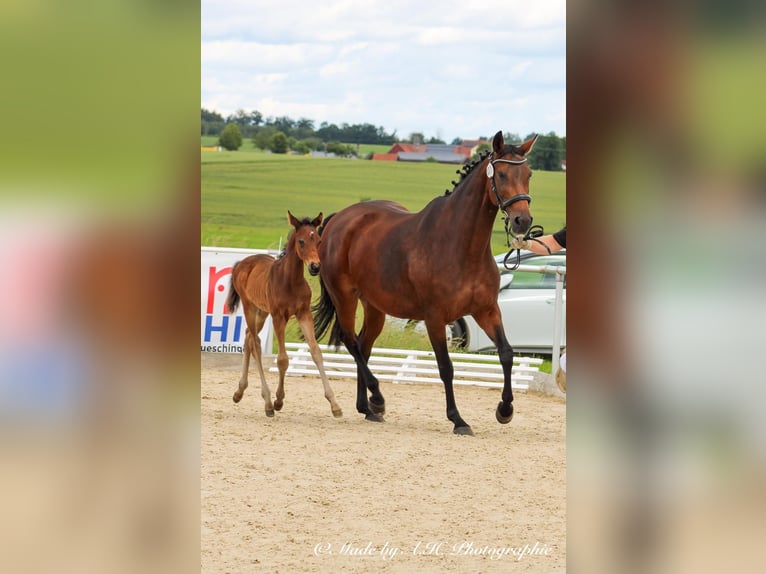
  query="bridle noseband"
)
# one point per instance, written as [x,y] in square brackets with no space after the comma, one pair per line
[501,203]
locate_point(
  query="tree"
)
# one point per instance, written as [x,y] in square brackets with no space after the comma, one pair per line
[230,138]
[301,147]
[212,123]
[262,137]
[279,143]
[547,153]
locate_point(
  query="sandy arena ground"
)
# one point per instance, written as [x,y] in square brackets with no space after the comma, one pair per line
[305,492]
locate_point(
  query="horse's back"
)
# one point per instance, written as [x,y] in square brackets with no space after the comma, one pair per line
[360,222]
[250,279]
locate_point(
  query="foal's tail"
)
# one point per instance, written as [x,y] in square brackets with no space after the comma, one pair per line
[232,299]
[325,314]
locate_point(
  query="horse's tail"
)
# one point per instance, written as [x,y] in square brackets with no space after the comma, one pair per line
[232,299]
[325,315]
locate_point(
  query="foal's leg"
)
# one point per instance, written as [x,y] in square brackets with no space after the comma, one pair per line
[283,361]
[242,385]
[491,322]
[437,333]
[306,323]
[374,319]
[259,319]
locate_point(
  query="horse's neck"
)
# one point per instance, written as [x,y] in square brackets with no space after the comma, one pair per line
[471,214]
[290,266]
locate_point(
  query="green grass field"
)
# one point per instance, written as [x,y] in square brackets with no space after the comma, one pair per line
[246,195]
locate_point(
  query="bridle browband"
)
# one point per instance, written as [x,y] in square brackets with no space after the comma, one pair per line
[501,203]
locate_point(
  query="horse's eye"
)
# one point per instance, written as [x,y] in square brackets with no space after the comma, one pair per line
[302,243]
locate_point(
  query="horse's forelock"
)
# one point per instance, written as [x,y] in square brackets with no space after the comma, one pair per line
[512,149]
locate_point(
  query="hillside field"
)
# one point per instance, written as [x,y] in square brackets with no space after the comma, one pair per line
[246,194]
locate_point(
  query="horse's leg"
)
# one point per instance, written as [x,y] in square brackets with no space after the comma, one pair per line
[374,319]
[283,361]
[306,323]
[345,314]
[491,322]
[258,321]
[437,333]
[242,385]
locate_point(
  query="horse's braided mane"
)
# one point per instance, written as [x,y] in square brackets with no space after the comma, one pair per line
[468,166]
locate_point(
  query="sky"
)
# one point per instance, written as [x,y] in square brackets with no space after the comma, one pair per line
[443,68]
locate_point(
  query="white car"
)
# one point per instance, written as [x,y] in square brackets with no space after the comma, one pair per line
[527,303]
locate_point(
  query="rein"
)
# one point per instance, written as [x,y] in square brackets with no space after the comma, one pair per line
[532,234]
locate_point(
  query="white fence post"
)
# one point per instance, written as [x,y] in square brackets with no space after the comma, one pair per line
[557,322]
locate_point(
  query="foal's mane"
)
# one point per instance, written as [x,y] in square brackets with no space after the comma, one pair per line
[469,166]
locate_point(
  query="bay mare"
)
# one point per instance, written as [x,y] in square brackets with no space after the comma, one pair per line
[435,265]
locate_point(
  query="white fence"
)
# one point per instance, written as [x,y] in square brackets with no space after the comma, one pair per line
[403,366]
[223,334]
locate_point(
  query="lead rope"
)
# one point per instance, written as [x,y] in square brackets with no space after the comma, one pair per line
[532,234]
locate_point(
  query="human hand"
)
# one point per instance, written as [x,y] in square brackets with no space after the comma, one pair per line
[519,243]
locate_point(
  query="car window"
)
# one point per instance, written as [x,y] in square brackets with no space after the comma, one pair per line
[532,280]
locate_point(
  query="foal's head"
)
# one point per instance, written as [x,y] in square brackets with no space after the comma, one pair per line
[306,240]
[508,176]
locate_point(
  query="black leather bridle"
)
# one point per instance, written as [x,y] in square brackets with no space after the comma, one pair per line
[501,203]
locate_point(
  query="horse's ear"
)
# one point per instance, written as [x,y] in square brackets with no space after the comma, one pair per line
[291,219]
[317,220]
[498,143]
[527,146]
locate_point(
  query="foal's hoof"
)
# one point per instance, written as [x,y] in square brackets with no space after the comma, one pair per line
[501,418]
[337,413]
[269,413]
[374,418]
[378,409]
[278,406]
[237,396]
[465,431]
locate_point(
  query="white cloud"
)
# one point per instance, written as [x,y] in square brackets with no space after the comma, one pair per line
[464,69]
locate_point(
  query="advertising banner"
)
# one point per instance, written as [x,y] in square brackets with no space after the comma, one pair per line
[223,332]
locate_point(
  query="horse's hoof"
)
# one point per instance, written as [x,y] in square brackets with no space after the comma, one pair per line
[465,431]
[278,406]
[378,409]
[501,418]
[237,396]
[337,414]
[374,418]
[269,413]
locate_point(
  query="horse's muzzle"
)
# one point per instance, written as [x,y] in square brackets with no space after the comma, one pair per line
[521,223]
[314,269]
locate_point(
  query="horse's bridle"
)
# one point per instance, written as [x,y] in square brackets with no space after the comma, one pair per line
[503,204]
[533,232]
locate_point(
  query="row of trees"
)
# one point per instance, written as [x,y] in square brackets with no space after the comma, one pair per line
[280,135]
[250,124]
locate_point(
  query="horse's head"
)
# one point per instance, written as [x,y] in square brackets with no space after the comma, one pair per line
[306,240]
[508,177]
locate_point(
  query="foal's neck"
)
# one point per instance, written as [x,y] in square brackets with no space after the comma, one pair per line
[290,265]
